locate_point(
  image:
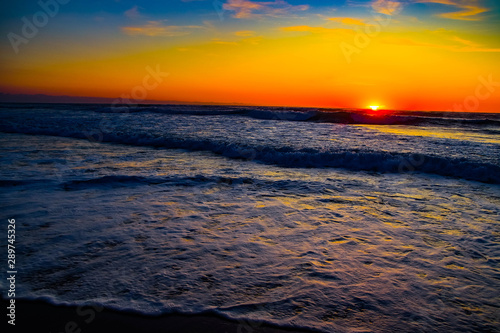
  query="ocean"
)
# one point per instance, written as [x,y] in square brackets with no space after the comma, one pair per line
[334,220]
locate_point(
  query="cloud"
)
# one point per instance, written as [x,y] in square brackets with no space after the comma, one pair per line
[316,30]
[470,46]
[245,33]
[251,9]
[253,40]
[157,28]
[348,20]
[468,9]
[386,7]
[464,41]
[133,13]
[222,42]
[460,45]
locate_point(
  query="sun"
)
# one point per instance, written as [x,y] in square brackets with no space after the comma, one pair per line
[374,107]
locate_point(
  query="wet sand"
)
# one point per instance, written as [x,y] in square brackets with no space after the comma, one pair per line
[39,316]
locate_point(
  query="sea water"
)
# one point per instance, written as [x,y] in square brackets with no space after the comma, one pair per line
[335,220]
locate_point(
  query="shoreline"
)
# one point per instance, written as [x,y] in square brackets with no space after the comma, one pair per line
[46,317]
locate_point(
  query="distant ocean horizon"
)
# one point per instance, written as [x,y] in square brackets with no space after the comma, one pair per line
[337,220]
[8,98]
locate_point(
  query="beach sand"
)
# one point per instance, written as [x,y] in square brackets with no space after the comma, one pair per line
[39,316]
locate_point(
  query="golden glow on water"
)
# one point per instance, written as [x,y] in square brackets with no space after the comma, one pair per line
[435,132]
[454,266]
[454,232]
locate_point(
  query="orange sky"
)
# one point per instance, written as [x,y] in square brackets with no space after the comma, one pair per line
[417,55]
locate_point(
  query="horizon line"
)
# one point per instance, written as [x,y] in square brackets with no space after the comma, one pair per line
[111,100]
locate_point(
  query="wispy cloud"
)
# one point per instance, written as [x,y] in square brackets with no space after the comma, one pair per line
[245,33]
[459,45]
[133,13]
[348,20]
[387,7]
[157,28]
[248,39]
[222,42]
[465,42]
[252,9]
[467,9]
[316,30]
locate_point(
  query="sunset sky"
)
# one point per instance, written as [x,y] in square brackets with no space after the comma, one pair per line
[412,54]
